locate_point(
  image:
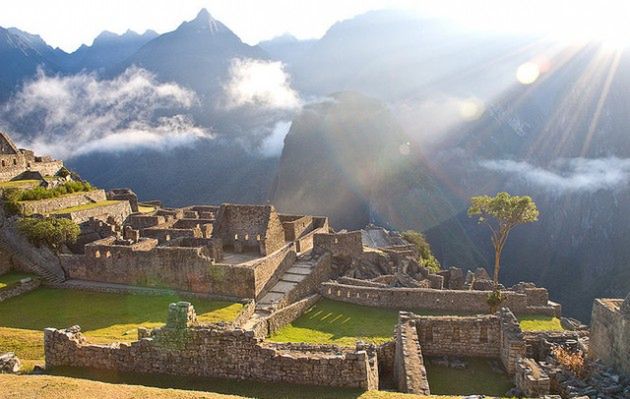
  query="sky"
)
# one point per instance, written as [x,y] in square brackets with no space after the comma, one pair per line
[70,23]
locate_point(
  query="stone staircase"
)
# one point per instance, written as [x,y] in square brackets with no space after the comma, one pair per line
[276,297]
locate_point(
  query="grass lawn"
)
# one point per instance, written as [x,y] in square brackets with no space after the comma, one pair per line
[145,208]
[478,378]
[540,323]
[55,387]
[19,184]
[11,278]
[333,322]
[83,207]
[103,317]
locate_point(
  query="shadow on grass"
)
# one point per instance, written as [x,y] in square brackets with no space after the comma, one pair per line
[223,386]
[478,378]
[343,323]
[60,308]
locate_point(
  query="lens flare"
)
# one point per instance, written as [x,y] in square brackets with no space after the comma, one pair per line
[528,73]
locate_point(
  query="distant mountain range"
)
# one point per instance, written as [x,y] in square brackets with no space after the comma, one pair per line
[405,118]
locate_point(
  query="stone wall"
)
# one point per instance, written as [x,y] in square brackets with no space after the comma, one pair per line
[5,261]
[475,336]
[340,244]
[512,344]
[46,206]
[267,270]
[116,211]
[424,298]
[530,379]
[216,352]
[19,288]
[409,372]
[294,229]
[180,268]
[610,333]
[274,322]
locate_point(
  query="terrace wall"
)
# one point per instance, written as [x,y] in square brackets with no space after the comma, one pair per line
[425,298]
[118,211]
[180,268]
[46,206]
[19,288]
[217,353]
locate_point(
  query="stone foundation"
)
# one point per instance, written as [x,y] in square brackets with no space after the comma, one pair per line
[182,348]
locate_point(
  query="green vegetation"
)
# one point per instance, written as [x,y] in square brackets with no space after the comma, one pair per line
[19,184]
[540,323]
[103,317]
[425,257]
[501,214]
[11,278]
[477,378]
[54,232]
[332,322]
[68,187]
[84,207]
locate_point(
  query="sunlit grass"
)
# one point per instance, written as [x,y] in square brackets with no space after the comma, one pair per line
[539,323]
[19,184]
[103,317]
[145,208]
[84,207]
[332,322]
[12,278]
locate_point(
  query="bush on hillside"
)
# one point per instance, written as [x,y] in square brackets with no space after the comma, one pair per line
[425,257]
[54,232]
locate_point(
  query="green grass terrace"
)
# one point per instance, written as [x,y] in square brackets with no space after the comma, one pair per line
[84,207]
[103,317]
[332,322]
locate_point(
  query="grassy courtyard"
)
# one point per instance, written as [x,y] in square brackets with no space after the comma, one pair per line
[84,207]
[478,378]
[103,317]
[332,322]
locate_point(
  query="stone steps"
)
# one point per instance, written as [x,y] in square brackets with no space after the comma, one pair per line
[289,280]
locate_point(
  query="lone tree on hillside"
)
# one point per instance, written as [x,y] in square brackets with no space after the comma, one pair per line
[501,214]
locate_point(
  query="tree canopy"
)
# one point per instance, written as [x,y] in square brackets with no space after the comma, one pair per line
[54,232]
[501,214]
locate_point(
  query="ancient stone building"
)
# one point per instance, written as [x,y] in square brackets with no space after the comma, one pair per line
[15,161]
[610,333]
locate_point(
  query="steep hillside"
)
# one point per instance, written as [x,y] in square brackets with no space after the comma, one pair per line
[349,159]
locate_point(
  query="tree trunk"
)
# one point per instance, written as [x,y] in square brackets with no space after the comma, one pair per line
[497,267]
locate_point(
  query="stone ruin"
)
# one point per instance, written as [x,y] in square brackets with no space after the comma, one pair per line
[18,163]
[9,363]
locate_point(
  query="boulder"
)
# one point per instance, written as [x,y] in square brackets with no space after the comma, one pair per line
[9,363]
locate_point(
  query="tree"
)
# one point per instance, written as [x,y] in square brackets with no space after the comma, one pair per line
[501,214]
[54,232]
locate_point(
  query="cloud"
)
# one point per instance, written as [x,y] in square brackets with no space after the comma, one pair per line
[273,144]
[67,116]
[260,83]
[569,175]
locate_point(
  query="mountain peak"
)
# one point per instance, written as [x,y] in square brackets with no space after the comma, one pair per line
[204,20]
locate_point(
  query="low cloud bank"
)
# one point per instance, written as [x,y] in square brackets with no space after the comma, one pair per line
[67,116]
[569,175]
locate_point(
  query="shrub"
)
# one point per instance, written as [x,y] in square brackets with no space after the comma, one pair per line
[10,196]
[425,257]
[495,298]
[54,232]
[68,187]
